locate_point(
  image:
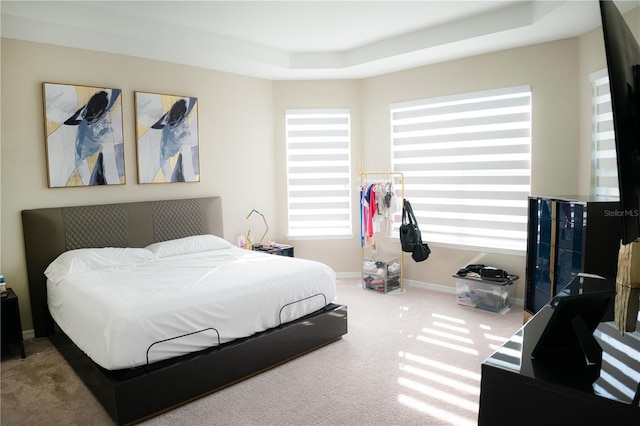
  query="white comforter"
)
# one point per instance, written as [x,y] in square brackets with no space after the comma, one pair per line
[115,314]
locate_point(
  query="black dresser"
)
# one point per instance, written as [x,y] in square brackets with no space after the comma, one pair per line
[566,236]
[517,389]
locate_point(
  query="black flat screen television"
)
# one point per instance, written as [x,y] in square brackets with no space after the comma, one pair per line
[623,63]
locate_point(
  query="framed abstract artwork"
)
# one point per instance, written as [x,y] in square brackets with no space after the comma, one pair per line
[84,136]
[167,138]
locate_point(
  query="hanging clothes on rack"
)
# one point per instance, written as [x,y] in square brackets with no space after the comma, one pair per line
[381,197]
[387,206]
[368,212]
[378,204]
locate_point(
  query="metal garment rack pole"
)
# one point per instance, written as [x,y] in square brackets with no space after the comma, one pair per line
[388,175]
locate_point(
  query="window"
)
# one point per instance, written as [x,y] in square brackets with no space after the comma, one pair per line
[467,166]
[319,173]
[604,169]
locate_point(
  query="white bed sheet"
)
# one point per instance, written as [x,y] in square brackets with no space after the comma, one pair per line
[114,315]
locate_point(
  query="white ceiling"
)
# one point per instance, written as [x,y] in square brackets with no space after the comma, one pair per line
[301,39]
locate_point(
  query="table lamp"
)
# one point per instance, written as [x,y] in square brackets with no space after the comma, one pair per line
[266,232]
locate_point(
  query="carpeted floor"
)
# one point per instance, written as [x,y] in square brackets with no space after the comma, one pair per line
[411,358]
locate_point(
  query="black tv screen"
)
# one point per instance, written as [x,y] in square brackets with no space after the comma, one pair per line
[623,63]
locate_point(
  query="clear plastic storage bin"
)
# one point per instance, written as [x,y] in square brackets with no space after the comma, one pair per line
[489,295]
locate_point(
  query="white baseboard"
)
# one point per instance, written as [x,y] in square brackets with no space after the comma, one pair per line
[348,275]
[413,283]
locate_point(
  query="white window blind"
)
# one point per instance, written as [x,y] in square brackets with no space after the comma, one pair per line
[467,166]
[318,172]
[604,170]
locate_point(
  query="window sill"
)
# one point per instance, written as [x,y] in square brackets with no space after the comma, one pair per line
[319,237]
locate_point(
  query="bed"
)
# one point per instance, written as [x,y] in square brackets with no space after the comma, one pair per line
[152,308]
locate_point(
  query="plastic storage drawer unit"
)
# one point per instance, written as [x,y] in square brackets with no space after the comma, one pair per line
[382,275]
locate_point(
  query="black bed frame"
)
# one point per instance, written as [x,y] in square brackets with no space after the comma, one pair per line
[131,396]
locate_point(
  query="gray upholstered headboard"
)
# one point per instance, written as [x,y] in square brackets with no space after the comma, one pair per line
[48,232]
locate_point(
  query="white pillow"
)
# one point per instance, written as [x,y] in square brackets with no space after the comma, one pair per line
[93,259]
[186,245]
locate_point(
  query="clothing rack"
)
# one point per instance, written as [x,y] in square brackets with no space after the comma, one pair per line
[366,176]
[386,176]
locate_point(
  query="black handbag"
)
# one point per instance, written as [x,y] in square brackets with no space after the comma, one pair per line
[410,235]
[421,252]
[409,230]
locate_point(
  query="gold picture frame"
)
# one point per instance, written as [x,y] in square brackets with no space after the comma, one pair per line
[167,141]
[84,135]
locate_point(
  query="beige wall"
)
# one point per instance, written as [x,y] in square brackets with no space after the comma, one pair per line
[592,58]
[235,129]
[344,254]
[549,69]
[242,137]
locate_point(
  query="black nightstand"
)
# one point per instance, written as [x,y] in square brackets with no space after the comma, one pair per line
[280,250]
[11,324]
